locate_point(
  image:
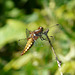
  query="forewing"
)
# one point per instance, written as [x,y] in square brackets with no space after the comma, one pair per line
[22,42]
[52,32]
[27,33]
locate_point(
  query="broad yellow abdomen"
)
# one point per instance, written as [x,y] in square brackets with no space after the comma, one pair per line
[28,45]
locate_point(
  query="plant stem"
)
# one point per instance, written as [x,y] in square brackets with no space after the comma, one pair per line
[58,62]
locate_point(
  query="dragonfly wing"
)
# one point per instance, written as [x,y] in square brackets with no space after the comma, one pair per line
[51,32]
[27,33]
[22,42]
[55,30]
[39,43]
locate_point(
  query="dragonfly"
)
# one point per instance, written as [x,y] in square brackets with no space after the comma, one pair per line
[33,36]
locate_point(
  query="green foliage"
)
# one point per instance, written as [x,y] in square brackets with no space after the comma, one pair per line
[16,16]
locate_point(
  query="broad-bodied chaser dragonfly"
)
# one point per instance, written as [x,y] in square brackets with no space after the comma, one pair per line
[34,35]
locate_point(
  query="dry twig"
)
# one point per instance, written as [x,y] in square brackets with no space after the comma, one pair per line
[58,62]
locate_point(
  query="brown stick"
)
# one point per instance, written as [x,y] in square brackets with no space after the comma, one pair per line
[58,62]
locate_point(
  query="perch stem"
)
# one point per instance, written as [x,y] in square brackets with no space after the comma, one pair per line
[58,62]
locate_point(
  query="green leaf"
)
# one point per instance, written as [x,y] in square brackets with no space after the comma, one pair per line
[13,30]
[17,64]
[67,68]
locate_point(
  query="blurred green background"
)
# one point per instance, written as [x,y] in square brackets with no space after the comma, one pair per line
[16,16]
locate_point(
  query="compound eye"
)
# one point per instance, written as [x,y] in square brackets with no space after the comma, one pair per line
[40,28]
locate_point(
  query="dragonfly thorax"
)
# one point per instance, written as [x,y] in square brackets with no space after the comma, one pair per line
[38,31]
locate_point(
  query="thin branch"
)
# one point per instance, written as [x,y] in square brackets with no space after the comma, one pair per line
[58,62]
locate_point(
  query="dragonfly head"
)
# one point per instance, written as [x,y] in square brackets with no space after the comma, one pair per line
[40,28]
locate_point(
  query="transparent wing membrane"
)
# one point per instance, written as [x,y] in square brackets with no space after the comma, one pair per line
[55,29]
[22,42]
[52,32]
[39,43]
[27,33]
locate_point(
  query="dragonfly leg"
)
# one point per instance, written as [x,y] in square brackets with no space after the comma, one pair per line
[42,38]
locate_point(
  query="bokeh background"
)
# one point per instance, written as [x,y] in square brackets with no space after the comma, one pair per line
[16,16]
